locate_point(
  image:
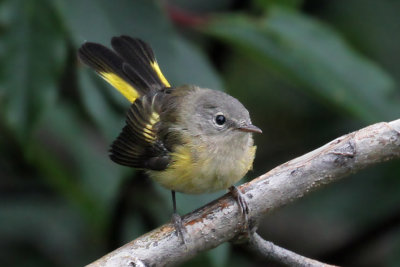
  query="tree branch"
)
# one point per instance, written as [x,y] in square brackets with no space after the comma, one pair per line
[273,252]
[220,221]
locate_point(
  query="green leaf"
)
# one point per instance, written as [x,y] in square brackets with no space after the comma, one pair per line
[266,4]
[33,55]
[220,255]
[186,64]
[104,116]
[58,176]
[315,58]
[73,161]
[49,227]
[200,7]
[98,176]
[394,258]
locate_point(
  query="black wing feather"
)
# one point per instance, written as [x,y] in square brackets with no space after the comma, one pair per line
[137,145]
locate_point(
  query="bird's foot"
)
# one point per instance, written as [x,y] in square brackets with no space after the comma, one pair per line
[179,228]
[244,209]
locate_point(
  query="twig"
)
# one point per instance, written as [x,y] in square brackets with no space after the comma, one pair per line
[273,252]
[221,221]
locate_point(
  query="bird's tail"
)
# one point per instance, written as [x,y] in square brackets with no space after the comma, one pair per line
[130,67]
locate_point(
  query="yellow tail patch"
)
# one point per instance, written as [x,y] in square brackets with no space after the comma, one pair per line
[157,69]
[127,90]
[122,86]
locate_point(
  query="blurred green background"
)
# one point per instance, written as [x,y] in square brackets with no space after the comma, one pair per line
[307,70]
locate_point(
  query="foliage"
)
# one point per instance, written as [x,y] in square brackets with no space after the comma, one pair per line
[308,71]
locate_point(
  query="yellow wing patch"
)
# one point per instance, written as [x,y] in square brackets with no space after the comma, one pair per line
[148,131]
[157,69]
[138,145]
[148,128]
[122,86]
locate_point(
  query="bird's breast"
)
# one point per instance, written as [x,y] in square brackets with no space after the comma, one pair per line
[201,167]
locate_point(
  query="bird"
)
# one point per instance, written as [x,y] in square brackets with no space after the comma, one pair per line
[189,139]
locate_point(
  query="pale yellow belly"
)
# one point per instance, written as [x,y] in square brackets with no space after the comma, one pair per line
[205,173]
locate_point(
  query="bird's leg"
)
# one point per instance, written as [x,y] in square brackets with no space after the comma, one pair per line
[176,219]
[242,206]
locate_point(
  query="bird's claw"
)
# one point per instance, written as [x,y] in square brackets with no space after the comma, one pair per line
[244,209]
[179,228]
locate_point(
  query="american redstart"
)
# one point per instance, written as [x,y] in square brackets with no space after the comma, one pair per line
[189,139]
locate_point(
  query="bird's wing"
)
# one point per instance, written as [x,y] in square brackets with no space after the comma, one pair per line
[131,68]
[138,144]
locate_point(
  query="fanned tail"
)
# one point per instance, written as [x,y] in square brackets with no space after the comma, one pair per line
[131,68]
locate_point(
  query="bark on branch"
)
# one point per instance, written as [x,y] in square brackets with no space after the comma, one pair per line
[271,251]
[220,221]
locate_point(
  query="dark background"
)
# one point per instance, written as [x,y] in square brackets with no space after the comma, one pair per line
[307,70]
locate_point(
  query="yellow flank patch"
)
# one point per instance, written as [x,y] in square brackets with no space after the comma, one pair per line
[122,86]
[182,158]
[157,69]
[249,162]
[201,171]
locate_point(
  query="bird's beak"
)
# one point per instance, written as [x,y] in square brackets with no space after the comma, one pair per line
[249,128]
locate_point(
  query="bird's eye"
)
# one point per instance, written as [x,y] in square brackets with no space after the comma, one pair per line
[220,119]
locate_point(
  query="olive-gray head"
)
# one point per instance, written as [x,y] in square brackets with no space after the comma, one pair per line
[215,113]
